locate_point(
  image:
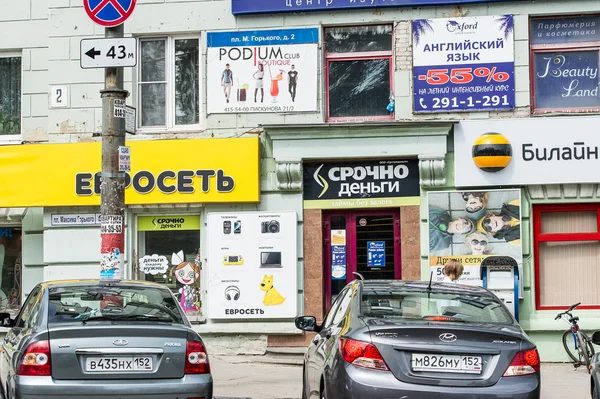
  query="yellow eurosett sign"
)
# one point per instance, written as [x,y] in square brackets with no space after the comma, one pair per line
[162,172]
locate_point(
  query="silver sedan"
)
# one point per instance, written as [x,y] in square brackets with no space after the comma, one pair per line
[97,339]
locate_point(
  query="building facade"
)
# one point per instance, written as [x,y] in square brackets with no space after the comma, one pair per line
[302,142]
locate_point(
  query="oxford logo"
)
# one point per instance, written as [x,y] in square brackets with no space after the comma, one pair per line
[120,342]
[448,337]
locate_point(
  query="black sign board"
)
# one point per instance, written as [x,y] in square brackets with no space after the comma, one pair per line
[361,179]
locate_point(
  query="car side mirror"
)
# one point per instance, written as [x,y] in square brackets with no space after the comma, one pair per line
[307,323]
[5,320]
[596,338]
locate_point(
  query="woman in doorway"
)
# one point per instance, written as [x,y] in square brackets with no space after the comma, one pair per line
[258,76]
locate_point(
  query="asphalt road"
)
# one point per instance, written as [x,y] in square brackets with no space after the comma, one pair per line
[245,377]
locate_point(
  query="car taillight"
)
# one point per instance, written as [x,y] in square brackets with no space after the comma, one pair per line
[196,358]
[36,360]
[362,354]
[524,363]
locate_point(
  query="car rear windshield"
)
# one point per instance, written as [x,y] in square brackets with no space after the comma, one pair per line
[118,303]
[437,306]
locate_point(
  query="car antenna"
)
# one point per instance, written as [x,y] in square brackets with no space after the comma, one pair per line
[429,286]
[359,275]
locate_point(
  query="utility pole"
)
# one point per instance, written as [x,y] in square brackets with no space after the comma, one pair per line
[112,186]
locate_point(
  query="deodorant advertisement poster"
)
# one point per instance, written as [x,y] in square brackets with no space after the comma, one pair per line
[470,226]
[252,265]
[262,71]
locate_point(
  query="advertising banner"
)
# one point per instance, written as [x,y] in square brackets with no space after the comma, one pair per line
[162,223]
[470,226]
[162,171]
[338,254]
[267,6]
[252,265]
[526,151]
[361,184]
[562,30]
[566,80]
[463,64]
[262,71]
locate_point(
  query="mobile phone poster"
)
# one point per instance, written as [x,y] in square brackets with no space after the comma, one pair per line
[252,270]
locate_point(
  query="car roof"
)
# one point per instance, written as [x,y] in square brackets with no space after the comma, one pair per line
[421,286]
[90,282]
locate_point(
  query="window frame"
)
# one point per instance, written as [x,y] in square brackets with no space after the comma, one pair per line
[170,125]
[538,238]
[358,56]
[6,139]
[553,48]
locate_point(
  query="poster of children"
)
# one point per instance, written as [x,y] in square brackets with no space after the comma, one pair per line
[262,71]
[469,226]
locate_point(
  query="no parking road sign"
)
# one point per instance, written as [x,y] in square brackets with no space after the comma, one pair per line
[109,13]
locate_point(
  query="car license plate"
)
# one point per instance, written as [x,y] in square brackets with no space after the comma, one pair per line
[118,363]
[446,363]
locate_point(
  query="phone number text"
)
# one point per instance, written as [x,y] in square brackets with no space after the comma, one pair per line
[270,108]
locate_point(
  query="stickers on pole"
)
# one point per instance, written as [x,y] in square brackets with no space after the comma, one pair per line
[124,158]
[111,224]
[119,108]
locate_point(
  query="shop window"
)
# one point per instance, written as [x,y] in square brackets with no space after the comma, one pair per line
[168,253]
[358,72]
[169,82]
[567,255]
[565,54]
[10,262]
[10,100]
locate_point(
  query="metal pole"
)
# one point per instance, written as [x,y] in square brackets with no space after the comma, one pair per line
[112,186]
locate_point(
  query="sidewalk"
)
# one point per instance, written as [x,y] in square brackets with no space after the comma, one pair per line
[247,377]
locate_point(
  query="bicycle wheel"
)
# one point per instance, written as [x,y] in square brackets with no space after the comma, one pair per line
[569,345]
[590,346]
[587,349]
[582,349]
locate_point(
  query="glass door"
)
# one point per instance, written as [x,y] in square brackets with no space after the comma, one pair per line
[365,242]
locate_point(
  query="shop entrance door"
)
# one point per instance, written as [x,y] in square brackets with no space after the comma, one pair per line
[362,241]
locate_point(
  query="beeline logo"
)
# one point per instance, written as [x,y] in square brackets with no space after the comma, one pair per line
[453,26]
[321,180]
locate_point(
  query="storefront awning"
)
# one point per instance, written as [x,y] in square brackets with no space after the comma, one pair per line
[12,213]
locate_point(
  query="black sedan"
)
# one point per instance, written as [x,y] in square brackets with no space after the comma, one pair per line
[400,339]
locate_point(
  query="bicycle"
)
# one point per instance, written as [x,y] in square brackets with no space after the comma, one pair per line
[580,354]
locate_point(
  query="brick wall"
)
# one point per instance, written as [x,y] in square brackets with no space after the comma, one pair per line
[410,242]
[313,278]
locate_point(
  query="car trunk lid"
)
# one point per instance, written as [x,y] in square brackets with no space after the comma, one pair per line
[447,354]
[117,350]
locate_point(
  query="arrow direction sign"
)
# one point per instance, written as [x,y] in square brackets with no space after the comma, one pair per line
[108,53]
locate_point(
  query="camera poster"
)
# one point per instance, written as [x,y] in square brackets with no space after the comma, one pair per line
[252,265]
[469,226]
